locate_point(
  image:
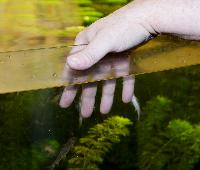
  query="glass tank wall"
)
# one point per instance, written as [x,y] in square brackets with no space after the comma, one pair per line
[36,134]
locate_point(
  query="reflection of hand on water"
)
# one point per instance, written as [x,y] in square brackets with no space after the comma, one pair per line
[128,27]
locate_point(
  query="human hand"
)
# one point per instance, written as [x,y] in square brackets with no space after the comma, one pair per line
[123,29]
[113,65]
[110,34]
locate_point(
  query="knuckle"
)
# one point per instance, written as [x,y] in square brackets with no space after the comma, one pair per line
[92,32]
[101,21]
[89,57]
[98,23]
[94,28]
[80,35]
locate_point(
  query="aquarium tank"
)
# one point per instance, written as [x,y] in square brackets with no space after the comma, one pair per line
[36,134]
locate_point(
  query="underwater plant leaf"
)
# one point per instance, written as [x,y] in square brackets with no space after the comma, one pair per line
[101,137]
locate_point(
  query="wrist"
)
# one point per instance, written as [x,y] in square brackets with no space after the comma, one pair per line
[179,17]
[143,12]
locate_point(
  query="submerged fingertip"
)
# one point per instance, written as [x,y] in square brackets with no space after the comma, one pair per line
[126,100]
[86,114]
[104,111]
[62,105]
[105,108]
[65,102]
[61,102]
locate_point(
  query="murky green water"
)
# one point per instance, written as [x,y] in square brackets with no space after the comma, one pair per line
[34,130]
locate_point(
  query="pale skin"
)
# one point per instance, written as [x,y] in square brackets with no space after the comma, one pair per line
[126,28]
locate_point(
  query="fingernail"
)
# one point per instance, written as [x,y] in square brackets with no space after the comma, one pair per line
[73,61]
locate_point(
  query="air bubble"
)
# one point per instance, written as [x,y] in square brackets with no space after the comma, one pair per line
[54,75]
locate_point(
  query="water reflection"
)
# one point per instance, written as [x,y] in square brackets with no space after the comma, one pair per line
[27,24]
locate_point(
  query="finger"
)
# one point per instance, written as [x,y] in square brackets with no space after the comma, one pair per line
[88,99]
[96,50]
[128,89]
[80,41]
[68,96]
[107,96]
[94,28]
[69,92]
[121,65]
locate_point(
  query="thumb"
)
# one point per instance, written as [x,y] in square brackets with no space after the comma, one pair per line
[95,50]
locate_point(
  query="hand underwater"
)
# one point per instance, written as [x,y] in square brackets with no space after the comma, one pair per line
[127,27]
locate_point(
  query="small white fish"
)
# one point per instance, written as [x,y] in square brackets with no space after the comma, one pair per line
[136,105]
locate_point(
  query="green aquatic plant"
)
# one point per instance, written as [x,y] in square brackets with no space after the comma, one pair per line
[84,3]
[172,143]
[90,151]
[92,10]
[112,1]
[51,2]
[150,130]
[43,151]
[90,15]
[87,12]
[73,30]
[184,141]
[181,149]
